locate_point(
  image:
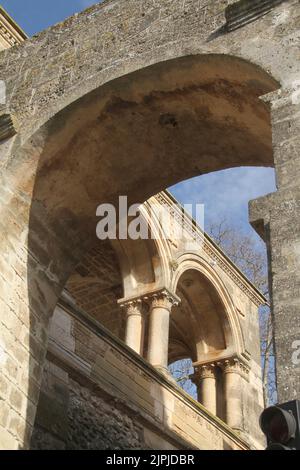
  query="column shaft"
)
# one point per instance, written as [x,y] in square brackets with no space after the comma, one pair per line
[158,340]
[233,395]
[205,380]
[159,336]
[134,334]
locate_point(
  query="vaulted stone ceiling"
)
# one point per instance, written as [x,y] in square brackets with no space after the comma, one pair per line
[198,324]
[96,285]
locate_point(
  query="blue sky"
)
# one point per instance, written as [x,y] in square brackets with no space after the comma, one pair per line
[35,15]
[226,193]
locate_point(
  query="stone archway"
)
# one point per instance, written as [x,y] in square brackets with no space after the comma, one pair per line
[205,319]
[203,330]
[183,125]
[188,115]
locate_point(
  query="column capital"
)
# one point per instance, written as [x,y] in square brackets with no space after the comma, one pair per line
[205,371]
[132,307]
[230,365]
[234,365]
[162,298]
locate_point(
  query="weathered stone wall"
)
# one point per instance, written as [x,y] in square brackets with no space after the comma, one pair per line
[44,75]
[76,51]
[73,416]
[97,394]
[46,227]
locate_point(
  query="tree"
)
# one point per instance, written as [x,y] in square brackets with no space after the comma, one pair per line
[181,371]
[249,254]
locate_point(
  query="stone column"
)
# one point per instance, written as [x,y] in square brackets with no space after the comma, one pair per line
[158,342]
[276,218]
[205,380]
[134,334]
[232,383]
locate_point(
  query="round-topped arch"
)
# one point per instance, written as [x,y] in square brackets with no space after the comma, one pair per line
[133,136]
[206,321]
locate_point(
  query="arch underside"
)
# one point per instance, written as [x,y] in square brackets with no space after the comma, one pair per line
[199,327]
[110,271]
[133,136]
[136,136]
[158,126]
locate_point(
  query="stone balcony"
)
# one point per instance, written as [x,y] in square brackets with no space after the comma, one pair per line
[92,376]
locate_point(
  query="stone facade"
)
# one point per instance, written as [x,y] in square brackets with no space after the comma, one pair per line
[159,92]
[10,33]
[97,394]
[206,311]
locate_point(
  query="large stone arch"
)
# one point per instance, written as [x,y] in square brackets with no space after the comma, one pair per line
[114,38]
[181,82]
[144,263]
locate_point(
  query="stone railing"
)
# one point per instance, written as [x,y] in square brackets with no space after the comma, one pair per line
[109,365]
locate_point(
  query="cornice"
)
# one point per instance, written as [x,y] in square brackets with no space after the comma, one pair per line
[10,30]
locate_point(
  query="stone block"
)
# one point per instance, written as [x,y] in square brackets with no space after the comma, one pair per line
[8,127]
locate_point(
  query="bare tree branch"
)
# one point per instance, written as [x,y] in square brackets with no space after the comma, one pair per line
[249,254]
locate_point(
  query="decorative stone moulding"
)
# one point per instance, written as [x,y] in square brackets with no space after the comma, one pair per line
[134,307]
[216,256]
[203,372]
[162,298]
[130,303]
[159,295]
[229,365]
[10,31]
[235,365]
[245,11]
[7,126]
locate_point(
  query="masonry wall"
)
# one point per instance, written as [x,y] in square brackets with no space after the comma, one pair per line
[97,394]
[96,285]
[246,301]
[120,35]
[71,415]
[63,64]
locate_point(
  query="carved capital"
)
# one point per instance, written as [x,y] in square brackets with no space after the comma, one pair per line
[234,366]
[206,371]
[163,299]
[174,265]
[133,307]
